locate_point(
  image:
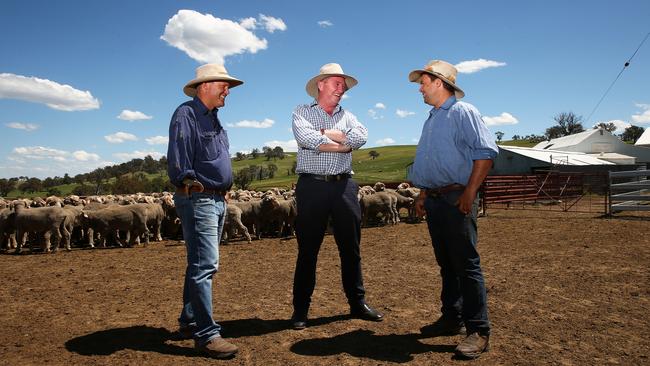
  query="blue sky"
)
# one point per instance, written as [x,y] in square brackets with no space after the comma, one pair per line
[85,84]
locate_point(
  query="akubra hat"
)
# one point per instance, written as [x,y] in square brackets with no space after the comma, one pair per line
[327,70]
[443,71]
[209,72]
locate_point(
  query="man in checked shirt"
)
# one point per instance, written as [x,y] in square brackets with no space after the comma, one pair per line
[326,135]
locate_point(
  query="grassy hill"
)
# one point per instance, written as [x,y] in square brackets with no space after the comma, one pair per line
[389,166]
[518,143]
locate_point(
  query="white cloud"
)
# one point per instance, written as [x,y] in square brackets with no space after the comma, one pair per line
[287,146]
[504,118]
[380,106]
[266,123]
[54,95]
[620,125]
[120,137]
[248,23]
[85,156]
[325,23]
[403,114]
[206,38]
[138,155]
[384,142]
[373,114]
[643,117]
[39,152]
[469,67]
[128,115]
[157,140]
[22,126]
[272,24]
[345,96]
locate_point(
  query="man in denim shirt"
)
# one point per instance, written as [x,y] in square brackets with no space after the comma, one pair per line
[199,166]
[452,159]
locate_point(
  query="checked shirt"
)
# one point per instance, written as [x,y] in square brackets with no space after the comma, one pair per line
[308,120]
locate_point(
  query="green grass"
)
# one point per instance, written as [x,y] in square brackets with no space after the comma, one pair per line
[389,166]
[519,143]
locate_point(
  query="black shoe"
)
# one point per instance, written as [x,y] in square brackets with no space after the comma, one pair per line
[365,312]
[299,320]
[444,326]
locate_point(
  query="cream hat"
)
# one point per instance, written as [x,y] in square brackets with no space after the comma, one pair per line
[326,71]
[442,70]
[209,72]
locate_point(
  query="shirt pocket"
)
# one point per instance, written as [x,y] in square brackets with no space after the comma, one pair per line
[210,146]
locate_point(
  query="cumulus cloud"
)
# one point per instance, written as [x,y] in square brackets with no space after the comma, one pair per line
[642,117]
[54,95]
[120,137]
[22,126]
[266,123]
[128,115]
[502,119]
[384,142]
[325,23]
[40,152]
[206,38]
[272,24]
[287,146]
[380,106]
[126,156]
[374,115]
[85,156]
[157,140]
[403,113]
[469,67]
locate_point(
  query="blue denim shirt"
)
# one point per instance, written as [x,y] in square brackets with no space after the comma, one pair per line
[198,147]
[453,137]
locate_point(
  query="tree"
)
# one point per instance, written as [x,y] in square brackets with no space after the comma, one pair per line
[255,153]
[243,178]
[6,186]
[373,154]
[632,134]
[240,156]
[31,185]
[272,168]
[499,135]
[268,152]
[516,137]
[607,126]
[150,165]
[278,152]
[567,124]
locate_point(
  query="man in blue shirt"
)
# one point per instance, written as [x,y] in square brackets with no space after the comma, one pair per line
[199,166]
[452,159]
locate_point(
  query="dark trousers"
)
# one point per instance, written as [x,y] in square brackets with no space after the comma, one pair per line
[454,237]
[319,201]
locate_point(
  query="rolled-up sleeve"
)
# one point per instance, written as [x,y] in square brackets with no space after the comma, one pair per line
[357,134]
[307,136]
[180,150]
[478,137]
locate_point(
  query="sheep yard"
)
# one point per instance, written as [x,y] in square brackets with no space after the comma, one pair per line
[563,289]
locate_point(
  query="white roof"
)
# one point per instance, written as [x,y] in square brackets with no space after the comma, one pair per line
[557,156]
[570,140]
[615,158]
[644,140]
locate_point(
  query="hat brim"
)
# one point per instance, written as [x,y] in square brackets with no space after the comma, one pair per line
[312,85]
[190,87]
[415,75]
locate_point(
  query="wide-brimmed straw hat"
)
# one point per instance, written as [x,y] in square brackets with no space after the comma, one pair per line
[326,71]
[443,71]
[209,72]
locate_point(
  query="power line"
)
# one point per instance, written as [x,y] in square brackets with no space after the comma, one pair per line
[627,63]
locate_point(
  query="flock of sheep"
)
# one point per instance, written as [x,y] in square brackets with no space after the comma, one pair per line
[130,219]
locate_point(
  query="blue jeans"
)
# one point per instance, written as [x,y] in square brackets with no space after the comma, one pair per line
[454,237]
[202,217]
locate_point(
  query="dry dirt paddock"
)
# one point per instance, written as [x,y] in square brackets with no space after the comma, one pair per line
[564,289]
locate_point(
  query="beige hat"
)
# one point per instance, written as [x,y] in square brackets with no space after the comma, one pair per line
[326,71]
[209,72]
[442,70]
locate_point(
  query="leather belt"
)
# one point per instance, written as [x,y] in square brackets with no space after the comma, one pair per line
[185,190]
[436,192]
[327,178]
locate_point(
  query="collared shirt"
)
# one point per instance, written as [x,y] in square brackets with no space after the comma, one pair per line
[453,137]
[308,120]
[198,147]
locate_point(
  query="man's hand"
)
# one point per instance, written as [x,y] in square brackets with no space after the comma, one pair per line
[419,206]
[465,201]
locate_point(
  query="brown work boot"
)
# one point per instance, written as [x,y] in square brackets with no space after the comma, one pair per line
[473,345]
[217,348]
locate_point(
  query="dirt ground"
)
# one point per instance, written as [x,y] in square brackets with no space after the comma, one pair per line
[563,289]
